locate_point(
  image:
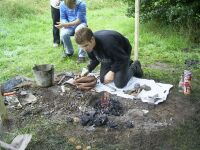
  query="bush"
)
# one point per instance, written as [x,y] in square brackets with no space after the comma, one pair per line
[180,13]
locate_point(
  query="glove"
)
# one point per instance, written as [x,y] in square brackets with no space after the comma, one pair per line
[84,72]
[85,83]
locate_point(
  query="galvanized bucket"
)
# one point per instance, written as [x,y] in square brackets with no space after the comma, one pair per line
[44,75]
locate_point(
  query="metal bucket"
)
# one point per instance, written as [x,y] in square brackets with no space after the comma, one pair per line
[44,75]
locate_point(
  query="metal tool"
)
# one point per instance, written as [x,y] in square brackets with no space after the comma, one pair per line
[65,75]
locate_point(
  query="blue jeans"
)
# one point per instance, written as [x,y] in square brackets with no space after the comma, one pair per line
[65,36]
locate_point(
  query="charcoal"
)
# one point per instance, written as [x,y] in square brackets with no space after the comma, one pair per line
[100,120]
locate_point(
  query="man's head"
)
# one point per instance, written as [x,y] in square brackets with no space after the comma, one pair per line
[84,37]
[70,3]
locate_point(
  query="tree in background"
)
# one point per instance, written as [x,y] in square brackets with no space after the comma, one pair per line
[180,13]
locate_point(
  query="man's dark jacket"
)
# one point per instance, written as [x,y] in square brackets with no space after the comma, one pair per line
[111,47]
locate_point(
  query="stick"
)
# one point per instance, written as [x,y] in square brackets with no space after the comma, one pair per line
[61,79]
[136,45]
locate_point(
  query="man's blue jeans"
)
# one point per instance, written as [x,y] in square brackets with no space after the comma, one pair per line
[65,36]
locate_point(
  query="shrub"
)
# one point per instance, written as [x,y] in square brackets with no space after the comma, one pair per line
[180,13]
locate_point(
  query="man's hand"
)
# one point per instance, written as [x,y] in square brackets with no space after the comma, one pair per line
[109,77]
[59,25]
[84,72]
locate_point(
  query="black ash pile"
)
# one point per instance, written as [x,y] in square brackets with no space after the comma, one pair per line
[103,108]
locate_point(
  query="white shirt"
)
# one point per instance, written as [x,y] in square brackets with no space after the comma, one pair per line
[55,3]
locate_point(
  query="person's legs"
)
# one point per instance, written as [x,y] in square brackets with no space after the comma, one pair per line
[105,67]
[137,69]
[123,75]
[65,35]
[127,70]
[81,52]
[55,13]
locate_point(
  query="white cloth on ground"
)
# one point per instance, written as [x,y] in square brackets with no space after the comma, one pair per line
[157,94]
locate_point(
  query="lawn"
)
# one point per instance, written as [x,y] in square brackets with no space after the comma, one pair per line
[26,39]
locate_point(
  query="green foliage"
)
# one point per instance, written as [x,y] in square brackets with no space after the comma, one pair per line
[180,13]
[19,9]
[92,4]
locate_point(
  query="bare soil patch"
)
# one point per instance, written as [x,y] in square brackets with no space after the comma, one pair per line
[138,126]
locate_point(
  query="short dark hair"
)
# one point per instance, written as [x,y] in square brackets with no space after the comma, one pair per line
[83,35]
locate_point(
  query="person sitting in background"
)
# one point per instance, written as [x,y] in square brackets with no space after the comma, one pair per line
[55,13]
[113,51]
[72,18]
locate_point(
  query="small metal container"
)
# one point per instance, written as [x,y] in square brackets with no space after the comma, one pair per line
[187,82]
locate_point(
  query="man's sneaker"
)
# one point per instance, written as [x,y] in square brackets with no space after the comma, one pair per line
[130,62]
[55,45]
[81,60]
[136,68]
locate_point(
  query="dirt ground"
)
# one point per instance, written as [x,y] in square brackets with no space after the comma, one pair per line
[138,126]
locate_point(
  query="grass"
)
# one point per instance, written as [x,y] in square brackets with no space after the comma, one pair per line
[26,39]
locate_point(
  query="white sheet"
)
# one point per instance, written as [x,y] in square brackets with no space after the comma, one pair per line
[157,94]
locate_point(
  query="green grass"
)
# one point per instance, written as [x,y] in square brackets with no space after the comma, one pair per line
[26,37]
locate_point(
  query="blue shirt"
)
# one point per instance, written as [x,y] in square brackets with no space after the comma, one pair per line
[69,15]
